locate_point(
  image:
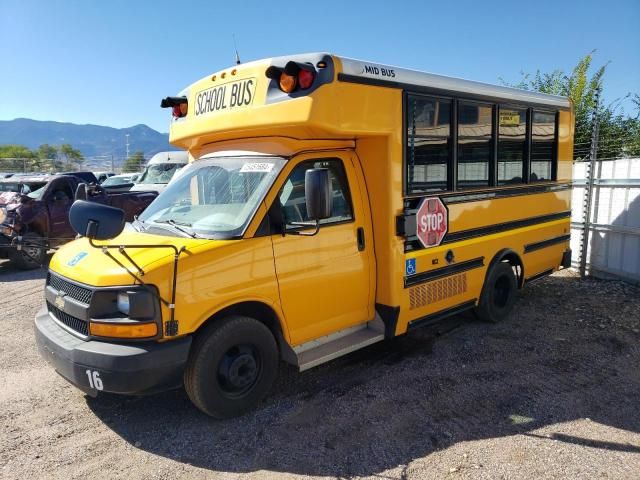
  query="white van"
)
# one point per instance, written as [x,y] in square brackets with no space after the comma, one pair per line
[160,170]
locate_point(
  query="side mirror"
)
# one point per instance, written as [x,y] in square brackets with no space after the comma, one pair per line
[317,189]
[96,221]
[81,191]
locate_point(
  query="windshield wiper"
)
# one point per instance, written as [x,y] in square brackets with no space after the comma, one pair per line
[139,223]
[176,225]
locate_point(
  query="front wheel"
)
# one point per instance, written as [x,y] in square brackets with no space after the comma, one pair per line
[31,255]
[232,365]
[498,294]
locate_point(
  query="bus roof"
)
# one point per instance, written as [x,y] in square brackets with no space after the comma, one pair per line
[361,71]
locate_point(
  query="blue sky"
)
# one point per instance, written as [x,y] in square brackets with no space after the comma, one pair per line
[110,62]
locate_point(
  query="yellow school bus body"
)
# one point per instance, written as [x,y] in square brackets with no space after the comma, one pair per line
[324,285]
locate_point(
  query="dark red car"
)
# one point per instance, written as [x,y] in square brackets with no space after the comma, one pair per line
[34,213]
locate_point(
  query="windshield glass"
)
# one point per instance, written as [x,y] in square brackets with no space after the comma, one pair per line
[116,181]
[36,194]
[160,172]
[20,187]
[215,196]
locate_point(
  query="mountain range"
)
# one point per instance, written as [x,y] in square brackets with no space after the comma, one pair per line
[91,140]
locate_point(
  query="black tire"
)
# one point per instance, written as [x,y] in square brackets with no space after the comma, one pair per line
[498,294]
[231,366]
[33,252]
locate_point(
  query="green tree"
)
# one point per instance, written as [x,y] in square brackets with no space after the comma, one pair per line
[16,158]
[134,163]
[619,133]
[71,157]
[47,156]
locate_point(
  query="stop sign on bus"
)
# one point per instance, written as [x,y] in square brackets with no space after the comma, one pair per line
[432,222]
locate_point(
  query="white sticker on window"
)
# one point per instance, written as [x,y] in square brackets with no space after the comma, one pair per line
[256,167]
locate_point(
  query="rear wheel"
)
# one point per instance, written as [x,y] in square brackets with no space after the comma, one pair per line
[31,255]
[498,294]
[232,366]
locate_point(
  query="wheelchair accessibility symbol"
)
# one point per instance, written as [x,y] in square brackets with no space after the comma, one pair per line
[410,266]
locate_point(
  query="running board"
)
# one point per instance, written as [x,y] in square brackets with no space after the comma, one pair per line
[325,349]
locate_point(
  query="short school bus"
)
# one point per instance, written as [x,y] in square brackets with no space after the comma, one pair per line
[329,204]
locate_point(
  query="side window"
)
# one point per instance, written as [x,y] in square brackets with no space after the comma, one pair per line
[543,136]
[512,145]
[60,191]
[474,144]
[293,201]
[428,139]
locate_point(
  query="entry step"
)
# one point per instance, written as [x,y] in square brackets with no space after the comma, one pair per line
[325,349]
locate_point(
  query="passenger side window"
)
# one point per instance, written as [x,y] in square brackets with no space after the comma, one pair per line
[293,200]
[543,136]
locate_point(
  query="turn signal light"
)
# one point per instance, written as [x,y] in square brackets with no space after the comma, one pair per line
[287,82]
[123,330]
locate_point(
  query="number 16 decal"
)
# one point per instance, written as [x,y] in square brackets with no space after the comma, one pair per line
[94,379]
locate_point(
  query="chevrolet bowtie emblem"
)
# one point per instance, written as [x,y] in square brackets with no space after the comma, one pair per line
[60,300]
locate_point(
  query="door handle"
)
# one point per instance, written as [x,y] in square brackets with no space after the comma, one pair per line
[360,239]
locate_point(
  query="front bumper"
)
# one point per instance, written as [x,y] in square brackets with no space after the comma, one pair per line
[5,245]
[133,368]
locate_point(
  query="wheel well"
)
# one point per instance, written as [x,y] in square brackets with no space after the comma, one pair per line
[511,257]
[261,312]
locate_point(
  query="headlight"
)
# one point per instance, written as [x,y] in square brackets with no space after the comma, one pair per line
[139,306]
[123,303]
[136,304]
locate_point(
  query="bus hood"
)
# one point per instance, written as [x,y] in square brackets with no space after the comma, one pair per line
[81,262]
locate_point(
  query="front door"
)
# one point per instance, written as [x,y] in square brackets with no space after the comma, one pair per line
[325,280]
[58,198]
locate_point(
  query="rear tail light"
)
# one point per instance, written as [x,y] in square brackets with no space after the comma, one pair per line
[180,111]
[179,106]
[293,76]
[305,79]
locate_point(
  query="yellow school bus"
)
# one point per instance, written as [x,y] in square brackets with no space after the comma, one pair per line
[328,204]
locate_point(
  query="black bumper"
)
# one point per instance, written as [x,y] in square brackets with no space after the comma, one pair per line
[5,245]
[133,368]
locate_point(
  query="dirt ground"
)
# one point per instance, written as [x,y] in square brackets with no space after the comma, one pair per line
[552,393]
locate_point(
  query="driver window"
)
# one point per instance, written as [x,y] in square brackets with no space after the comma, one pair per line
[62,193]
[293,200]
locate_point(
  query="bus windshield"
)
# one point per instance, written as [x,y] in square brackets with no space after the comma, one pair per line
[214,196]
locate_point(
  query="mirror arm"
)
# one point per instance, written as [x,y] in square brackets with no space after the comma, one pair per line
[92,229]
[315,224]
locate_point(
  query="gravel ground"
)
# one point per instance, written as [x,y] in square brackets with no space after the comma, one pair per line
[551,393]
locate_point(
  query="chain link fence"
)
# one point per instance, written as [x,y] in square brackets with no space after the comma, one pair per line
[106,163]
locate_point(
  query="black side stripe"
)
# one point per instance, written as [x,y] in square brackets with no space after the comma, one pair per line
[345,77]
[443,272]
[538,276]
[412,242]
[532,247]
[441,315]
[471,196]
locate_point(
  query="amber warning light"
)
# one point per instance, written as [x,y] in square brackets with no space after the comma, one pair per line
[179,106]
[294,76]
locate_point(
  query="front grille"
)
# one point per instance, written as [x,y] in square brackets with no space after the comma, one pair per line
[73,323]
[74,291]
